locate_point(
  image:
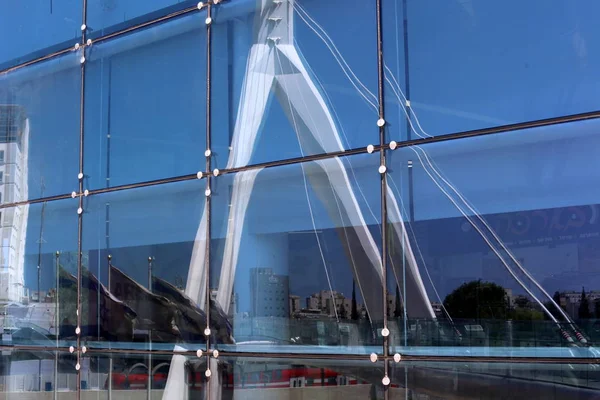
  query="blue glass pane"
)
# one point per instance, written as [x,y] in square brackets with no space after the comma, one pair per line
[39,128]
[36,296]
[292,79]
[150,234]
[145,102]
[291,248]
[31,29]
[108,16]
[468,69]
[494,244]
[554,381]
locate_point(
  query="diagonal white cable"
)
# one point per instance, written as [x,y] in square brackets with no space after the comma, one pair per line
[312,217]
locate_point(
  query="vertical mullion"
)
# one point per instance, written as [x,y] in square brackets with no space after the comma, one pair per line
[208,209]
[382,170]
[80,177]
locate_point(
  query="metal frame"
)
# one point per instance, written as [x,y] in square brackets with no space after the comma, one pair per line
[382,147]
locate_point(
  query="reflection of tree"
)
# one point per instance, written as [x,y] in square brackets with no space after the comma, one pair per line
[343,311]
[556,313]
[354,313]
[584,306]
[477,300]
[398,308]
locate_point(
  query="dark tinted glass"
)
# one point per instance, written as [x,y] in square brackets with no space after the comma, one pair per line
[145,100]
[39,128]
[150,234]
[296,256]
[290,82]
[500,243]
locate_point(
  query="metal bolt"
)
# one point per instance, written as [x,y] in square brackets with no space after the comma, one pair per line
[79,210]
[385,380]
[373,357]
[89,42]
[370,148]
[83,349]
[208,21]
[200,5]
[80,175]
[216,172]
[216,353]
[76,46]
[397,357]
[77,366]
[385,332]
[82,60]
[393,145]
[207,194]
[208,373]
[199,353]
[207,153]
[73,195]
[199,175]
[207,332]
[86,192]
[77,330]
[71,349]
[83,27]
[382,169]
[380,122]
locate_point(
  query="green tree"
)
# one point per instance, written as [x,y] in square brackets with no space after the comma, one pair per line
[343,311]
[398,309]
[354,312]
[477,300]
[584,306]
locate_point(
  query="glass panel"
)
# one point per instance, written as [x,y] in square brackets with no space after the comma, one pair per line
[33,312]
[145,102]
[466,71]
[282,378]
[129,377]
[108,16]
[31,29]
[494,243]
[481,380]
[292,79]
[39,128]
[24,374]
[295,258]
[150,234]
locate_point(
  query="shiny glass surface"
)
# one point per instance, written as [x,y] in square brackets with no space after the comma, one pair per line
[108,16]
[289,81]
[38,299]
[295,256]
[431,380]
[466,71]
[39,128]
[27,374]
[150,234]
[499,251]
[36,29]
[145,96]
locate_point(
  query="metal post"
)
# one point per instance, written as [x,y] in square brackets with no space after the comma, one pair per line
[56,325]
[110,358]
[149,385]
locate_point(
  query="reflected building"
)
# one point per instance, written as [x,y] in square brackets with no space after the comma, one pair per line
[269,293]
[14,142]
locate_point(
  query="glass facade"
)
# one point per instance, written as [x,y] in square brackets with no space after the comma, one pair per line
[282,199]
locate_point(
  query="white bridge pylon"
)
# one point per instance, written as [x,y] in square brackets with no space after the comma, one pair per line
[274,67]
